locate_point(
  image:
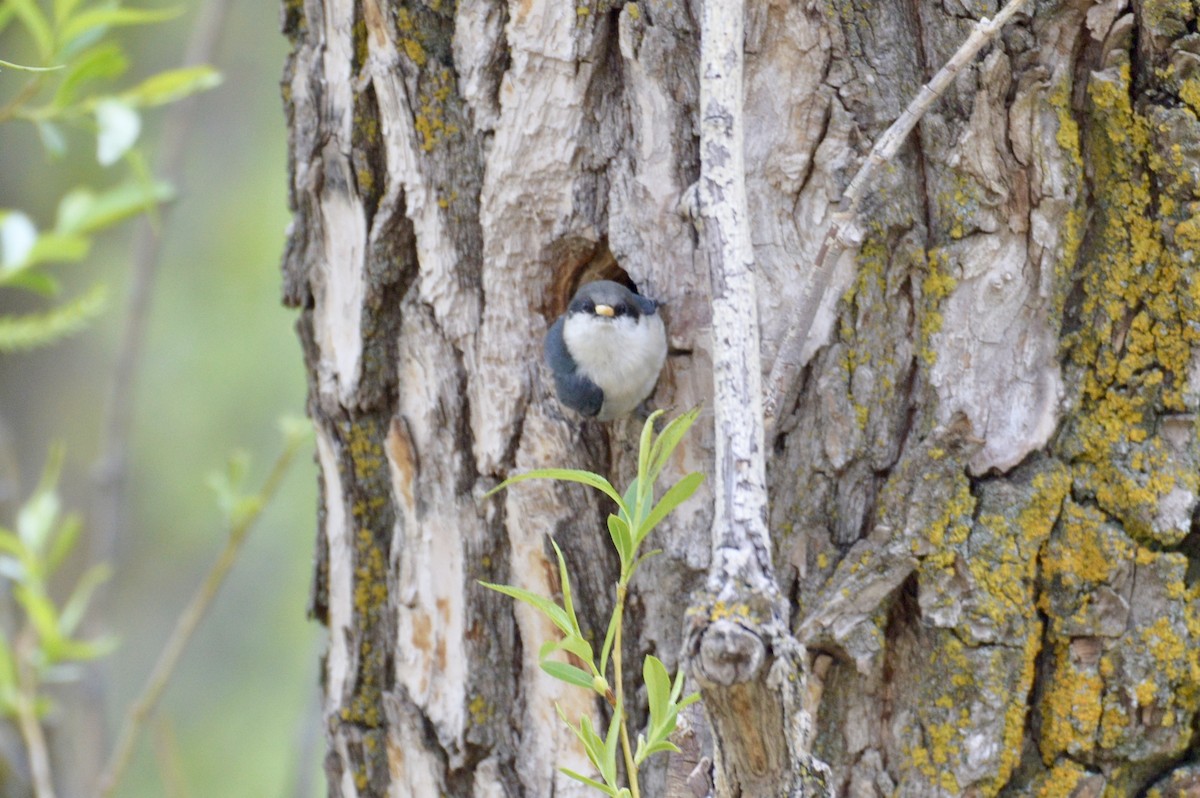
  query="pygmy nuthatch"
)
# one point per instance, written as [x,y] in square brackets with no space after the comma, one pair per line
[606,351]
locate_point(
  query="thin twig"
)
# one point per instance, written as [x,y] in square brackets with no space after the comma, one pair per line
[843,232]
[28,721]
[110,472]
[619,678]
[185,627]
[13,106]
[111,469]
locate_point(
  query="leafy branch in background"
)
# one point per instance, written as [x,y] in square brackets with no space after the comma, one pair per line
[71,89]
[242,509]
[636,517]
[43,649]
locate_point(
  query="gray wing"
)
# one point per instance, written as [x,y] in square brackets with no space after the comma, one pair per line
[647,306]
[574,390]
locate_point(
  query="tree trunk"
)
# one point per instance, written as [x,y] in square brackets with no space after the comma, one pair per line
[982,500]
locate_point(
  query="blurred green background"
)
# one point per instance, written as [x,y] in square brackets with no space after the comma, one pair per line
[220,364]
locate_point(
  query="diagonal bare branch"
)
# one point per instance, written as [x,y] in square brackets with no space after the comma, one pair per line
[843,231]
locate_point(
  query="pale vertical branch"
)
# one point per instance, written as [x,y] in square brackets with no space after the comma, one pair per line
[741,545]
[743,655]
[843,231]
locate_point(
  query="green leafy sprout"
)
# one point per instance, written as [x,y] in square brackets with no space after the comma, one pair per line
[45,648]
[70,88]
[637,515]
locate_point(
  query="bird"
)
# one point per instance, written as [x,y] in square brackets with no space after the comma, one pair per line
[607,350]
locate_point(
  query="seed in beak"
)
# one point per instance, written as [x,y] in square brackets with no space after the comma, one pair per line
[605,310]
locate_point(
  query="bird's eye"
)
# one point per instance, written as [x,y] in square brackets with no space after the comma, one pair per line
[621,310]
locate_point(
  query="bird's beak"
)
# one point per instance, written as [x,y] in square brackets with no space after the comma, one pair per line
[605,310]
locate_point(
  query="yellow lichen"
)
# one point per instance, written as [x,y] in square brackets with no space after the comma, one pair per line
[1071,708]
[1062,780]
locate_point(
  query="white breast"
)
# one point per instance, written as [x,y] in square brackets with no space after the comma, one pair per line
[622,355]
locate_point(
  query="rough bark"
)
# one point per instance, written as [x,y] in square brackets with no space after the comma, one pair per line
[982,498]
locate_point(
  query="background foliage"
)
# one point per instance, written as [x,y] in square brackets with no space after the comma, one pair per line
[220,364]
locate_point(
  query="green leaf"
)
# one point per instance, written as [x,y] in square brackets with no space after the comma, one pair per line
[677,686]
[654,748]
[22,68]
[592,744]
[633,499]
[567,475]
[610,636]
[63,10]
[55,248]
[19,333]
[9,542]
[97,20]
[84,211]
[39,513]
[8,677]
[658,687]
[668,440]
[64,540]
[64,650]
[609,768]
[643,474]
[35,281]
[118,127]
[680,492]
[555,613]
[604,788]
[42,613]
[622,540]
[567,673]
[576,645]
[75,607]
[103,62]
[172,85]
[661,695]
[35,22]
[565,585]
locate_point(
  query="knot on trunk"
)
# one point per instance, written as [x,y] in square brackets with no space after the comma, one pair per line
[729,654]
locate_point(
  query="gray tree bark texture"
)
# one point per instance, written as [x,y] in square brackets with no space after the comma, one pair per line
[983,497]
